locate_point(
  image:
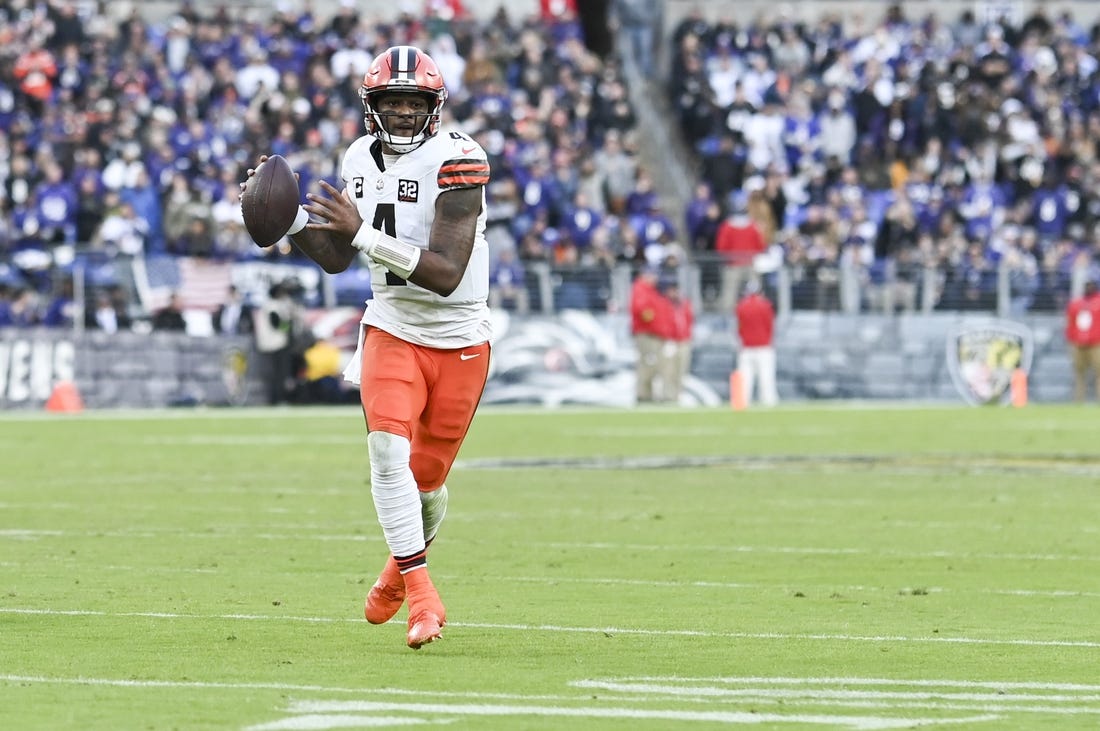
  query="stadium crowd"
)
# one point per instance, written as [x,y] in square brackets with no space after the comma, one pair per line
[887,146]
[128,139]
[896,145]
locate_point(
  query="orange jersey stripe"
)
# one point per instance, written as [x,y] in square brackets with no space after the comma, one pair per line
[463,181]
[463,173]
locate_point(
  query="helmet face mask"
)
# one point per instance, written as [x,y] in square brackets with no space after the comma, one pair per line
[402,70]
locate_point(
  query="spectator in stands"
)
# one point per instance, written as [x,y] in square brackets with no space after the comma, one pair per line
[639,20]
[508,283]
[24,310]
[36,71]
[56,206]
[1083,336]
[643,329]
[1023,273]
[61,308]
[89,209]
[107,313]
[896,272]
[756,359]
[617,168]
[122,231]
[257,77]
[170,317]
[181,206]
[6,318]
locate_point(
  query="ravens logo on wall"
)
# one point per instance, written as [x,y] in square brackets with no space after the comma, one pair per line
[982,356]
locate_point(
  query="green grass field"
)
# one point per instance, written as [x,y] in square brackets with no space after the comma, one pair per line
[832,567]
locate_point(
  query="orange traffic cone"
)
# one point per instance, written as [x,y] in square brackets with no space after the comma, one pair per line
[737,391]
[1018,388]
[65,398]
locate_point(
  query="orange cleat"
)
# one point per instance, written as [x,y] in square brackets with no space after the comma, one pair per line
[386,596]
[426,613]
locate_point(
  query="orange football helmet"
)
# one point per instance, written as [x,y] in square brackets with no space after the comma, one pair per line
[404,69]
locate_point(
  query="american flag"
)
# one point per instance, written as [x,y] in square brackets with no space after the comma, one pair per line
[202,284]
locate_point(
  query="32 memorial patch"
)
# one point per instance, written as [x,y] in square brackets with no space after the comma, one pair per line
[407,191]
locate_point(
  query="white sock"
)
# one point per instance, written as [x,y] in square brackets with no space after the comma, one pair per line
[396,497]
[433,506]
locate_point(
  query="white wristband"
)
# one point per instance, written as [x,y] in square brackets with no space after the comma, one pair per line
[300,222]
[397,256]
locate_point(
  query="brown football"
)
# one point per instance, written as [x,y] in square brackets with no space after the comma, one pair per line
[270,200]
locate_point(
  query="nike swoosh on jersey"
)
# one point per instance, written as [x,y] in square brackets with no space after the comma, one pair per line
[465,356]
[468,150]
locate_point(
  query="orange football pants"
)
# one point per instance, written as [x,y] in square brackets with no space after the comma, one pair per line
[426,395]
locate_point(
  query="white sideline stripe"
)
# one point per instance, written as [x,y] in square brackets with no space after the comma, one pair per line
[818,694]
[785,550]
[321,723]
[848,680]
[628,684]
[581,630]
[861,723]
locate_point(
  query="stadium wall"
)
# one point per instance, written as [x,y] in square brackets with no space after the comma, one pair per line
[572,357]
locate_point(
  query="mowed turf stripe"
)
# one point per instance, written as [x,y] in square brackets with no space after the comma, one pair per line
[33,533]
[609,631]
[554,580]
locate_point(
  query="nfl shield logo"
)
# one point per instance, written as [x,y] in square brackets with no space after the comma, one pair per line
[982,356]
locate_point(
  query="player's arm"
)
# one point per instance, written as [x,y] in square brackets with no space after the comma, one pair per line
[451,241]
[438,268]
[327,245]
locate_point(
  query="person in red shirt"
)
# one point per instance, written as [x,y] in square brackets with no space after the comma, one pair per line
[36,71]
[756,328]
[644,330]
[675,321]
[1083,336]
[738,240]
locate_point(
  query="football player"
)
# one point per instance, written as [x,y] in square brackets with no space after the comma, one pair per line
[413,203]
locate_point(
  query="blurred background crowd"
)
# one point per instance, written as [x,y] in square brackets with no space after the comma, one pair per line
[880,161]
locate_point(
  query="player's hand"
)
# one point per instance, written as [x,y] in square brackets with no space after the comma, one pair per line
[252,171]
[340,217]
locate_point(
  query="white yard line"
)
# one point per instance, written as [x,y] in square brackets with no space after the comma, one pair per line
[610,631]
[860,723]
[636,697]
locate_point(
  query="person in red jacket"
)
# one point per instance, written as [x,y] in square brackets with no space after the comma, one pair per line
[1083,336]
[644,330]
[756,328]
[739,239]
[675,321]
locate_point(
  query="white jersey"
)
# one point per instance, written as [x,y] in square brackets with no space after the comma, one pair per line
[399,199]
